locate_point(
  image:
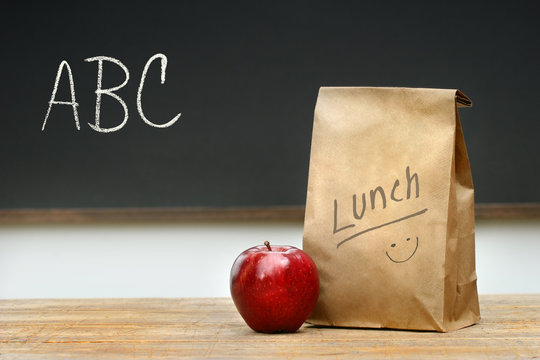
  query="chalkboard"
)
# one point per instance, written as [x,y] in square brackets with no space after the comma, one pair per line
[243,79]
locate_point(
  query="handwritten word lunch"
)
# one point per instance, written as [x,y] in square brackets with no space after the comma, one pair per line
[379,190]
[110,92]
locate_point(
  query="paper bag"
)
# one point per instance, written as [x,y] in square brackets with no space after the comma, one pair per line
[390,210]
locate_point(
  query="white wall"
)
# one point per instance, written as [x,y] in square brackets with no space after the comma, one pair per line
[195,259]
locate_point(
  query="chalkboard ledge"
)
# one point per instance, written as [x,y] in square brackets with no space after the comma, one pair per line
[151,214]
[188,214]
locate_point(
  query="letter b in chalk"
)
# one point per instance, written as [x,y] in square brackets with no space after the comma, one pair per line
[109,91]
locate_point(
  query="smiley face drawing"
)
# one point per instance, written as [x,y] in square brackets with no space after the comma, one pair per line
[397,251]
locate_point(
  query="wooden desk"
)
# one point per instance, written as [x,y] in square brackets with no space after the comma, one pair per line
[211,328]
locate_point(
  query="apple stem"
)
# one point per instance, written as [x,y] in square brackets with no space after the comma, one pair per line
[268,245]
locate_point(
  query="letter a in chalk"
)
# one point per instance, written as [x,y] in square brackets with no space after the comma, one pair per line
[141,84]
[53,100]
[109,91]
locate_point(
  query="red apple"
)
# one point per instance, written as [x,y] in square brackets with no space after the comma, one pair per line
[274,288]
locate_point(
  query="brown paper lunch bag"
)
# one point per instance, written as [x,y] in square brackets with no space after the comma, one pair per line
[389,215]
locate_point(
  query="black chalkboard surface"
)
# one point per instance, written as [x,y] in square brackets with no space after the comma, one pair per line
[245,79]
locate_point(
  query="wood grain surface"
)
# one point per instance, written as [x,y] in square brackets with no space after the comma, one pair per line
[211,328]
